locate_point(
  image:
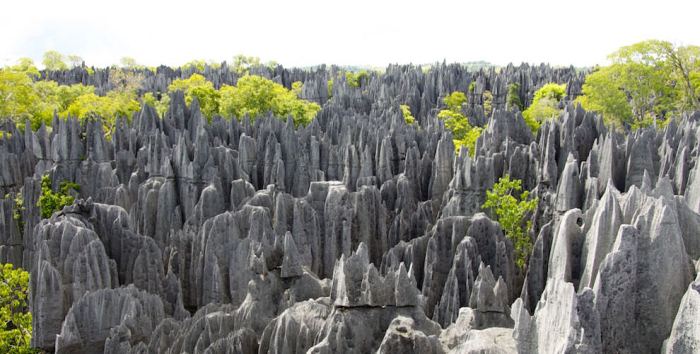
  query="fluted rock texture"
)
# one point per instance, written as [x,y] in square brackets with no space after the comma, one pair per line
[357,233]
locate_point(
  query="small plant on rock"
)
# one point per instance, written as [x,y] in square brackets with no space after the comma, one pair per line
[511,208]
[50,201]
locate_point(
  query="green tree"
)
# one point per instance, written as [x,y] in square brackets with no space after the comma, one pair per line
[463,133]
[255,95]
[198,86]
[511,208]
[243,63]
[22,98]
[356,79]
[161,105]
[678,63]
[109,107]
[54,60]
[75,60]
[18,99]
[407,116]
[602,93]
[49,201]
[488,103]
[646,83]
[513,97]
[545,105]
[455,100]
[129,63]
[15,318]
[195,65]
[26,65]
[125,81]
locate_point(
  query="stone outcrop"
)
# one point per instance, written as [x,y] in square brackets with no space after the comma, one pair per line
[358,232]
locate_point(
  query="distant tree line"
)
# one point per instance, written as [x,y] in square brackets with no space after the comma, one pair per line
[645,84]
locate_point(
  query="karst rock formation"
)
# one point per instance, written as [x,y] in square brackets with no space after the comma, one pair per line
[359,232]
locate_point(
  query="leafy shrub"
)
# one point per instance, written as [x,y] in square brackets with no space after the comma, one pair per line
[407,116]
[513,97]
[161,105]
[15,318]
[511,208]
[17,209]
[454,101]
[243,63]
[463,133]
[488,102]
[329,85]
[545,105]
[198,86]
[50,201]
[356,79]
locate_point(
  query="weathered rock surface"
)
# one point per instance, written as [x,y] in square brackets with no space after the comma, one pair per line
[357,233]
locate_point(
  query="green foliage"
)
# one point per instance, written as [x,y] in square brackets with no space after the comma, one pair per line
[26,65]
[330,87]
[15,318]
[21,97]
[469,139]
[74,60]
[195,65]
[129,63]
[255,95]
[198,86]
[454,101]
[356,79]
[54,60]
[545,105]
[513,97]
[407,116]
[17,209]
[109,107]
[18,99]
[676,64]
[646,83]
[161,105]
[602,94]
[511,209]
[488,102]
[242,64]
[296,87]
[463,133]
[49,201]
[472,86]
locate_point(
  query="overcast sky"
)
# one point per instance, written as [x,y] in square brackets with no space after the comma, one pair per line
[359,32]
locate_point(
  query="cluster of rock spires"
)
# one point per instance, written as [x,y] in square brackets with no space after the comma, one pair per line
[358,233]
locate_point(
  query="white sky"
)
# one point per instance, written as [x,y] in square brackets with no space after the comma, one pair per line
[360,32]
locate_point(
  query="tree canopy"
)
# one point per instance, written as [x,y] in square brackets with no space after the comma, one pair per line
[197,86]
[54,60]
[646,83]
[255,95]
[545,105]
[463,133]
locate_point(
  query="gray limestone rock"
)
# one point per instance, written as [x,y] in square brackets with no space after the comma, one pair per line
[685,334]
[92,318]
[251,234]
